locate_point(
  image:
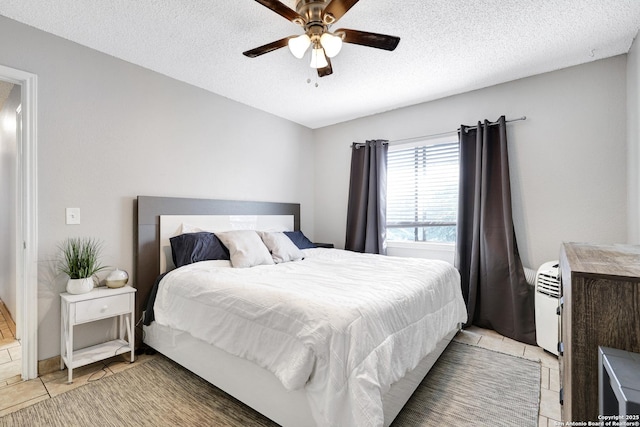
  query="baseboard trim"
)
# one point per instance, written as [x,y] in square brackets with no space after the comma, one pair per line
[48,366]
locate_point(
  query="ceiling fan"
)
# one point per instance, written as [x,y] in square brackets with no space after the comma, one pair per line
[315,17]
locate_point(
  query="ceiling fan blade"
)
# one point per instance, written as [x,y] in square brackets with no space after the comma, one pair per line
[269,47]
[379,41]
[337,8]
[281,9]
[325,71]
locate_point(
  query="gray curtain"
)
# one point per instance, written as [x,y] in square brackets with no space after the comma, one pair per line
[367,205]
[493,281]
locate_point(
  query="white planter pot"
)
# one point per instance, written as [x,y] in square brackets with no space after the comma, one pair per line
[80,286]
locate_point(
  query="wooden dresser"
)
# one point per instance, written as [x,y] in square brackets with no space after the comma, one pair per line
[600,307]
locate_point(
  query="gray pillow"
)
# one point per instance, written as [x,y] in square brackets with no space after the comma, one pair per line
[245,248]
[281,247]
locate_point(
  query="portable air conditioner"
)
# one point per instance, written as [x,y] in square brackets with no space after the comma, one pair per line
[546,306]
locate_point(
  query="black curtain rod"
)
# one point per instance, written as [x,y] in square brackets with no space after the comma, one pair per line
[496,122]
[418,138]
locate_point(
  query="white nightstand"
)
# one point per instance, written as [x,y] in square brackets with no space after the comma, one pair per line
[100,303]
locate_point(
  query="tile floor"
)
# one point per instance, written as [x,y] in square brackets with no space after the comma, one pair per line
[16,394]
[10,350]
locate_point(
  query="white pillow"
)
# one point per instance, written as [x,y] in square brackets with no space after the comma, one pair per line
[245,248]
[281,247]
[188,228]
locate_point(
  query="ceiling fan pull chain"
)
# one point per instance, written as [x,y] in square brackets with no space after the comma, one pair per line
[314,72]
[309,81]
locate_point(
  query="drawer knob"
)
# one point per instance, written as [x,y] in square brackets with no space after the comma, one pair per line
[105,307]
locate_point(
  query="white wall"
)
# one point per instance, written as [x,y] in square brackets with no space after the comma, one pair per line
[633,137]
[8,200]
[109,131]
[567,160]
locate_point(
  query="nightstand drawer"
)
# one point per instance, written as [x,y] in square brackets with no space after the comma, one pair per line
[99,308]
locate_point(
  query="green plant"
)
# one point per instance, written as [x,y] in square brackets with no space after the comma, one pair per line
[80,257]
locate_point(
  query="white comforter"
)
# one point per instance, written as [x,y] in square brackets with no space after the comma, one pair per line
[343,325]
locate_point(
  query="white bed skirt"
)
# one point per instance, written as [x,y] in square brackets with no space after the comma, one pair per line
[259,388]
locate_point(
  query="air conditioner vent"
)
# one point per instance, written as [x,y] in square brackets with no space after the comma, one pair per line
[546,305]
[548,281]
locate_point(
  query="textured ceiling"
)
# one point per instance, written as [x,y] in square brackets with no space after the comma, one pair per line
[446,47]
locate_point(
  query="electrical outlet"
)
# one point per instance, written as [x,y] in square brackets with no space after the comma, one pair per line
[73,216]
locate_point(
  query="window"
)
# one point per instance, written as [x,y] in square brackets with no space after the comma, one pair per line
[422,191]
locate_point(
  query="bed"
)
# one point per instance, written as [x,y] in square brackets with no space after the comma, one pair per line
[331,343]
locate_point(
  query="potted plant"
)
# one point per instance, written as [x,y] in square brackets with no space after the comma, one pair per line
[80,262]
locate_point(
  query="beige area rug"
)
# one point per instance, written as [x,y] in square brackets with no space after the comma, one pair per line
[472,386]
[468,386]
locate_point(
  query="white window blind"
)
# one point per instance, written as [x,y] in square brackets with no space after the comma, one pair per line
[422,192]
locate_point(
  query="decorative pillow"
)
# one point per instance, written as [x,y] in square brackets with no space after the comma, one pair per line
[299,239]
[245,248]
[189,228]
[281,247]
[193,247]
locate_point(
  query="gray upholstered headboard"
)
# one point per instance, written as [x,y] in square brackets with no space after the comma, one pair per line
[148,210]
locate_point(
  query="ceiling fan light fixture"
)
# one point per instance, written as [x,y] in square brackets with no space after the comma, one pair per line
[318,60]
[316,18]
[331,44]
[299,45]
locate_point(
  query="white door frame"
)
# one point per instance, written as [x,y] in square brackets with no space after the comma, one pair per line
[27,221]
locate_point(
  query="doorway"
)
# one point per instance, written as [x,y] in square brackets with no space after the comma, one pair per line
[10,124]
[24,227]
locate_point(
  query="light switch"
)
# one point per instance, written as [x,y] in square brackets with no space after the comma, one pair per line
[73,215]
